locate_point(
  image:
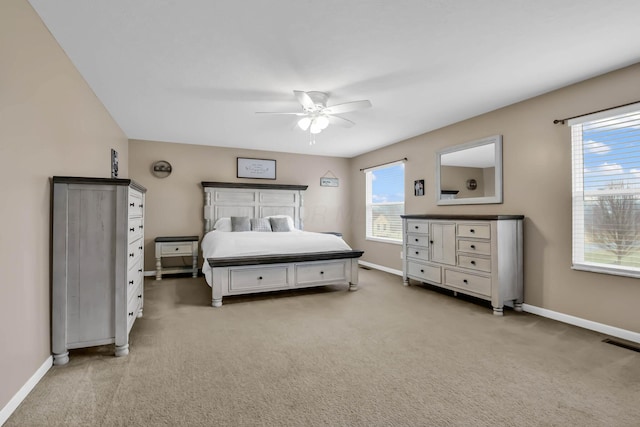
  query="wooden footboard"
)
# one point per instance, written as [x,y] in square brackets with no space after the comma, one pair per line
[244,275]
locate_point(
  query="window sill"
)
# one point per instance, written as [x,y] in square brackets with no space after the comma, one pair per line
[628,272]
[383,240]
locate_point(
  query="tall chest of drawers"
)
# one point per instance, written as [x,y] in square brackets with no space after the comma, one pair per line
[97,263]
[478,255]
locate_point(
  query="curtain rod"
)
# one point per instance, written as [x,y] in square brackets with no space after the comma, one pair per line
[404,159]
[562,121]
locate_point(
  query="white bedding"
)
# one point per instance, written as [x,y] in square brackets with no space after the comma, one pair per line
[222,244]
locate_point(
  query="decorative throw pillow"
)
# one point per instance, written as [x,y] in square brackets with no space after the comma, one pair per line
[279,224]
[260,224]
[240,223]
[223,224]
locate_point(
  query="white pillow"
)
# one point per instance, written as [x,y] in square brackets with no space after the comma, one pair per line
[223,224]
[289,220]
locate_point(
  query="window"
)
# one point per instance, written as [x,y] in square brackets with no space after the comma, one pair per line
[385,202]
[606,191]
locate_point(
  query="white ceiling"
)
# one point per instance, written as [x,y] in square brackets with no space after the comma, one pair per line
[196,71]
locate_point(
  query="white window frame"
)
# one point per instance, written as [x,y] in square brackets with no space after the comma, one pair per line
[369,204]
[579,194]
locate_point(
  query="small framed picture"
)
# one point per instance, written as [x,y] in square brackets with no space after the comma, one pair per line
[418,187]
[114,163]
[256,168]
[329,182]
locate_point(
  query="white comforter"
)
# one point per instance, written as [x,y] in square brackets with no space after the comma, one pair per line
[221,244]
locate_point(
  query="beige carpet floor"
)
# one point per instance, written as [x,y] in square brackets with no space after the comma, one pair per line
[386,355]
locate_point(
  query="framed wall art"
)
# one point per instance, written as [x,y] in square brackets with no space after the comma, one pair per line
[256,168]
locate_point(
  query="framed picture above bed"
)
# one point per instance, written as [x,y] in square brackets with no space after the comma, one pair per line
[256,168]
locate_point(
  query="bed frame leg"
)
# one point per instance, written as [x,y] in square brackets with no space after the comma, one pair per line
[353,280]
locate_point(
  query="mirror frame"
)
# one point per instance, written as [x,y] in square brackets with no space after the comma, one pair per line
[495,139]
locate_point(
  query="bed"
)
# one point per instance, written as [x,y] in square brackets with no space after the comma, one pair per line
[237,263]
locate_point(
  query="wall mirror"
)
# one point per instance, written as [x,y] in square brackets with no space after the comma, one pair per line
[471,173]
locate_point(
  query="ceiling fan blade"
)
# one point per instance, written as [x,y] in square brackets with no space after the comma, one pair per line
[347,107]
[305,100]
[285,113]
[341,121]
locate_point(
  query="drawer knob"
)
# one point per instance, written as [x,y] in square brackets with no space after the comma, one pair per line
[465,281]
[417,253]
[473,246]
[132,205]
[473,263]
[417,240]
[139,270]
[472,231]
[131,255]
[131,313]
[322,272]
[431,241]
[260,278]
[131,282]
[141,205]
[132,229]
[139,296]
[177,249]
[421,271]
[141,227]
[417,227]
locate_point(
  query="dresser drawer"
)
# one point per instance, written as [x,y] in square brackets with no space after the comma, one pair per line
[256,279]
[418,240]
[133,307]
[134,275]
[424,272]
[134,252]
[176,249]
[419,227]
[135,204]
[134,229]
[417,252]
[476,263]
[481,231]
[470,282]
[324,272]
[474,247]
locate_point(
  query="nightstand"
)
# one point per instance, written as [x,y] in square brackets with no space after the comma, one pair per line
[180,246]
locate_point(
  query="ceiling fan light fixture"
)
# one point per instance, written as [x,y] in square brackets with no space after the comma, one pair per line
[304,123]
[315,127]
[322,121]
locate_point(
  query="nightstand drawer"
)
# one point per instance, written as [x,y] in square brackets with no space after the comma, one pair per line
[177,249]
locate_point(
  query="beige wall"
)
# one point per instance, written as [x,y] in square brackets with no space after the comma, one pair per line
[51,123]
[455,178]
[537,184]
[174,205]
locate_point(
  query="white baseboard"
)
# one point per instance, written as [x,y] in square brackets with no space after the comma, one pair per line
[17,399]
[583,323]
[380,267]
[561,317]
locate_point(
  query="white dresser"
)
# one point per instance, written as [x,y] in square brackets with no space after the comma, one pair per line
[97,263]
[478,255]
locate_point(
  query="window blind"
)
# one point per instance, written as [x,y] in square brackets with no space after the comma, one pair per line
[385,202]
[606,191]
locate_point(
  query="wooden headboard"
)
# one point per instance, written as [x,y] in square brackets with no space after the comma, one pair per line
[225,199]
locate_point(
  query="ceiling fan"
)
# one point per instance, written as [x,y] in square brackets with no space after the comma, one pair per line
[316,115]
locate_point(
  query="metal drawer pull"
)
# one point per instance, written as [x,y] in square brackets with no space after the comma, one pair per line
[473,246]
[417,253]
[260,278]
[417,227]
[141,227]
[141,206]
[177,249]
[139,296]
[139,270]
[131,255]
[140,247]
[421,271]
[131,282]
[473,263]
[472,230]
[131,313]
[322,272]
[132,205]
[431,241]
[417,240]
[465,281]
[132,229]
